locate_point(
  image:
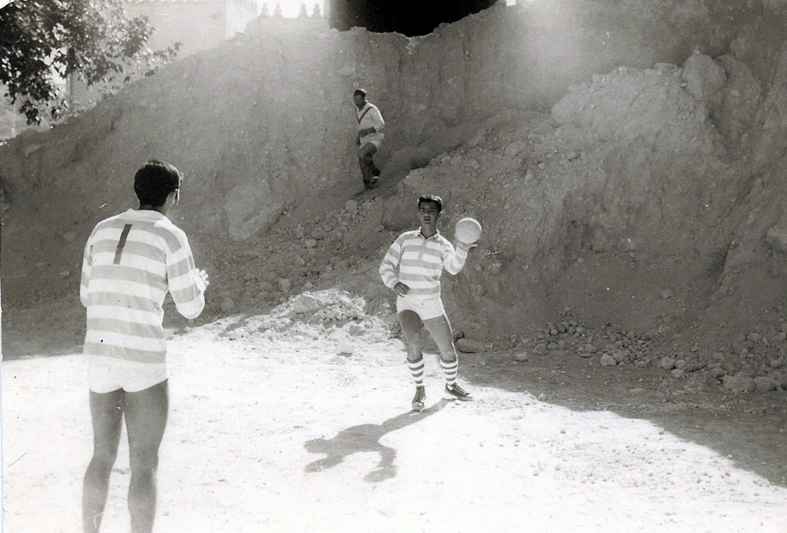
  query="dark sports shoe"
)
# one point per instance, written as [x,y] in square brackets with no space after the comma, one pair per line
[418,399]
[456,391]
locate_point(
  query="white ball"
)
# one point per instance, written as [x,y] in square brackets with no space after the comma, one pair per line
[468,230]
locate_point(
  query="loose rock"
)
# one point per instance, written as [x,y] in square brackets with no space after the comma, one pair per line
[608,360]
[739,384]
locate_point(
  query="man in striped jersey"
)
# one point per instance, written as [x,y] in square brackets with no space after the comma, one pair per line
[412,269]
[130,262]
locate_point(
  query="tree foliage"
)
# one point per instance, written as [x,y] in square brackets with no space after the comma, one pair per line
[44,42]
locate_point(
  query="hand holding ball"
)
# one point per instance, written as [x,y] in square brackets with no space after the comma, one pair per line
[467,231]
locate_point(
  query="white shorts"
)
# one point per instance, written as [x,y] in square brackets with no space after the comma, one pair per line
[107,374]
[425,307]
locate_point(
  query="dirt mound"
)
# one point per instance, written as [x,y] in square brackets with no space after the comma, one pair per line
[329,314]
[643,201]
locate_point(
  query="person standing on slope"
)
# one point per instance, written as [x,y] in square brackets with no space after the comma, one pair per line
[369,137]
[130,262]
[412,268]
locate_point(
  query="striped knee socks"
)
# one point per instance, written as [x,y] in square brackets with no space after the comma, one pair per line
[450,369]
[417,371]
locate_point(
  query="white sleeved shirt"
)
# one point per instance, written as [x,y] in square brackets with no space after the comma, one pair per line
[370,117]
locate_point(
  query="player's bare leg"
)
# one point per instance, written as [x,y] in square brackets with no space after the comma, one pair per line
[146,419]
[411,332]
[106,412]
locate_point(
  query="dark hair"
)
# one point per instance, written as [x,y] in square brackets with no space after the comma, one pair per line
[362,92]
[433,198]
[155,181]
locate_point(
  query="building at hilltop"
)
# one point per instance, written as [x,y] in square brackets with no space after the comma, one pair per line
[203,24]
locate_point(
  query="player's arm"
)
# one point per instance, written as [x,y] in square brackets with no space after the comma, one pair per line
[454,258]
[389,267]
[186,284]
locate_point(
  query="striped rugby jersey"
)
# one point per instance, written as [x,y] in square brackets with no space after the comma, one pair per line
[130,262]
[418,262]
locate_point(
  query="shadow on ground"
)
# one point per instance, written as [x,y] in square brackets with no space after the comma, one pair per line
[749,430]
[366,438]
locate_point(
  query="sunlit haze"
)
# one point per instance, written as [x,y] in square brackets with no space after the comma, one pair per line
[291,8]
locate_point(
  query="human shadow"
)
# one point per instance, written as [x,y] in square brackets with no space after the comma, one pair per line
[366,438]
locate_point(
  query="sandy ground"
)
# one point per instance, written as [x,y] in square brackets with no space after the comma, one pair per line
[282,434]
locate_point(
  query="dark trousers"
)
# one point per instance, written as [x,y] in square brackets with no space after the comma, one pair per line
[369,171]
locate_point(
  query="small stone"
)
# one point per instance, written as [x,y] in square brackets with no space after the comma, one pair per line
[310,243]
[717,372]
[356,330]
[466,345]
[776,363]
[620,355]
[667,363]
[552,346]
[739,384]
[764,384]
[351,206]
[666,294]
[754,337]
[520,357]
[680,364]
[608,360]
[637,390]
[678,373]
[513,149]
